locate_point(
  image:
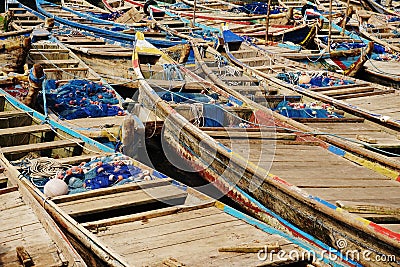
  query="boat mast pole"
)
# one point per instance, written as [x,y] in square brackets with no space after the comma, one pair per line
[194,12]
[345,17]
[330,26]
[267,22]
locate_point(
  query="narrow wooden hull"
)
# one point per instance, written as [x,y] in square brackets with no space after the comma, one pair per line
[239,179]
[126,225]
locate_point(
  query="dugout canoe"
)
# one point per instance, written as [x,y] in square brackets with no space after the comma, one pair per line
[222,158]
[370,100]
[388,7]
[125,224]
[13,54]
[379,28]
[207,15]
[86,21]
[29,235]
[278,94]
[73,93]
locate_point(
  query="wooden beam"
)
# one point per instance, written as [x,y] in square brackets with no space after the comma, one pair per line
[41,146]
[123,200]
[25,129]
[329,120]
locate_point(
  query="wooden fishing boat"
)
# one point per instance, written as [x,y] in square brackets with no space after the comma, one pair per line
[29,235]
[218,15]
[24,18]
[280,97]
[225,155]
[6,31]
[13,54]
[125,225]
[99,54]
[381,30]
[73,92]
[360,97]
[381,66]
[86,21]
[384,7]
[346,54]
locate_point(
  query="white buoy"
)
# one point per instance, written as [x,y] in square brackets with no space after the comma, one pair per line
[55,187]
[304,79]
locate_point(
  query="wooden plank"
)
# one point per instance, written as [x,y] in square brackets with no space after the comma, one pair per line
[361,207]
[328,88]
[57,61]
[251,135]
[65,69]
[41,146]
[13,113]
[350,194]
[349,91]
[146,215]
[112,190]
[25,129]
[329,120]
[122,200]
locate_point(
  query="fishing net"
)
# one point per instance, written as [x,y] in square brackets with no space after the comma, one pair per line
[301,110]
[81,99]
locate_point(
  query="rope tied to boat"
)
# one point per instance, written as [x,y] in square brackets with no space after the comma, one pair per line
[172,73]
[44,167]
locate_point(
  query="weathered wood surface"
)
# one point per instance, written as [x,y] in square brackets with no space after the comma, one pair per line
[200,232]
[320,173]
[21,228]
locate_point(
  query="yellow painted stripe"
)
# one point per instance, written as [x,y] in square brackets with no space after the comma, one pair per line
[373,166]
[364,221]
[219,205]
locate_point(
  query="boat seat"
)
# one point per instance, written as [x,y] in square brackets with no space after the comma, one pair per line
[327,88]
[119,199]
[41,146]
[346,91]
[58,62]
[239,79]
[25,129]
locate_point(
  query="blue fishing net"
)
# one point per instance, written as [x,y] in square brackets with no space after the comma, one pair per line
[304,111]
[179,5]
[258,8]
[393,19]
[317,80]
[81,99]
[106,16]
[100,173]
[180,97]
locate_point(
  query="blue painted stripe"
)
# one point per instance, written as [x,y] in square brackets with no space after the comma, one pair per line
[55,124]
[303,244]
[293,227]
[235,100]
[336,150]
[224,147]
[326,203]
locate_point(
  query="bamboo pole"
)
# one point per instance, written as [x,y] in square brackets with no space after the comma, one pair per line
[267,22]
[346,14]
[330,26]
[194,13]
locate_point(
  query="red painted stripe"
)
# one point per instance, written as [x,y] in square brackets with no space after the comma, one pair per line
[135,63]
[276,178]
[339,63]
[385,231]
